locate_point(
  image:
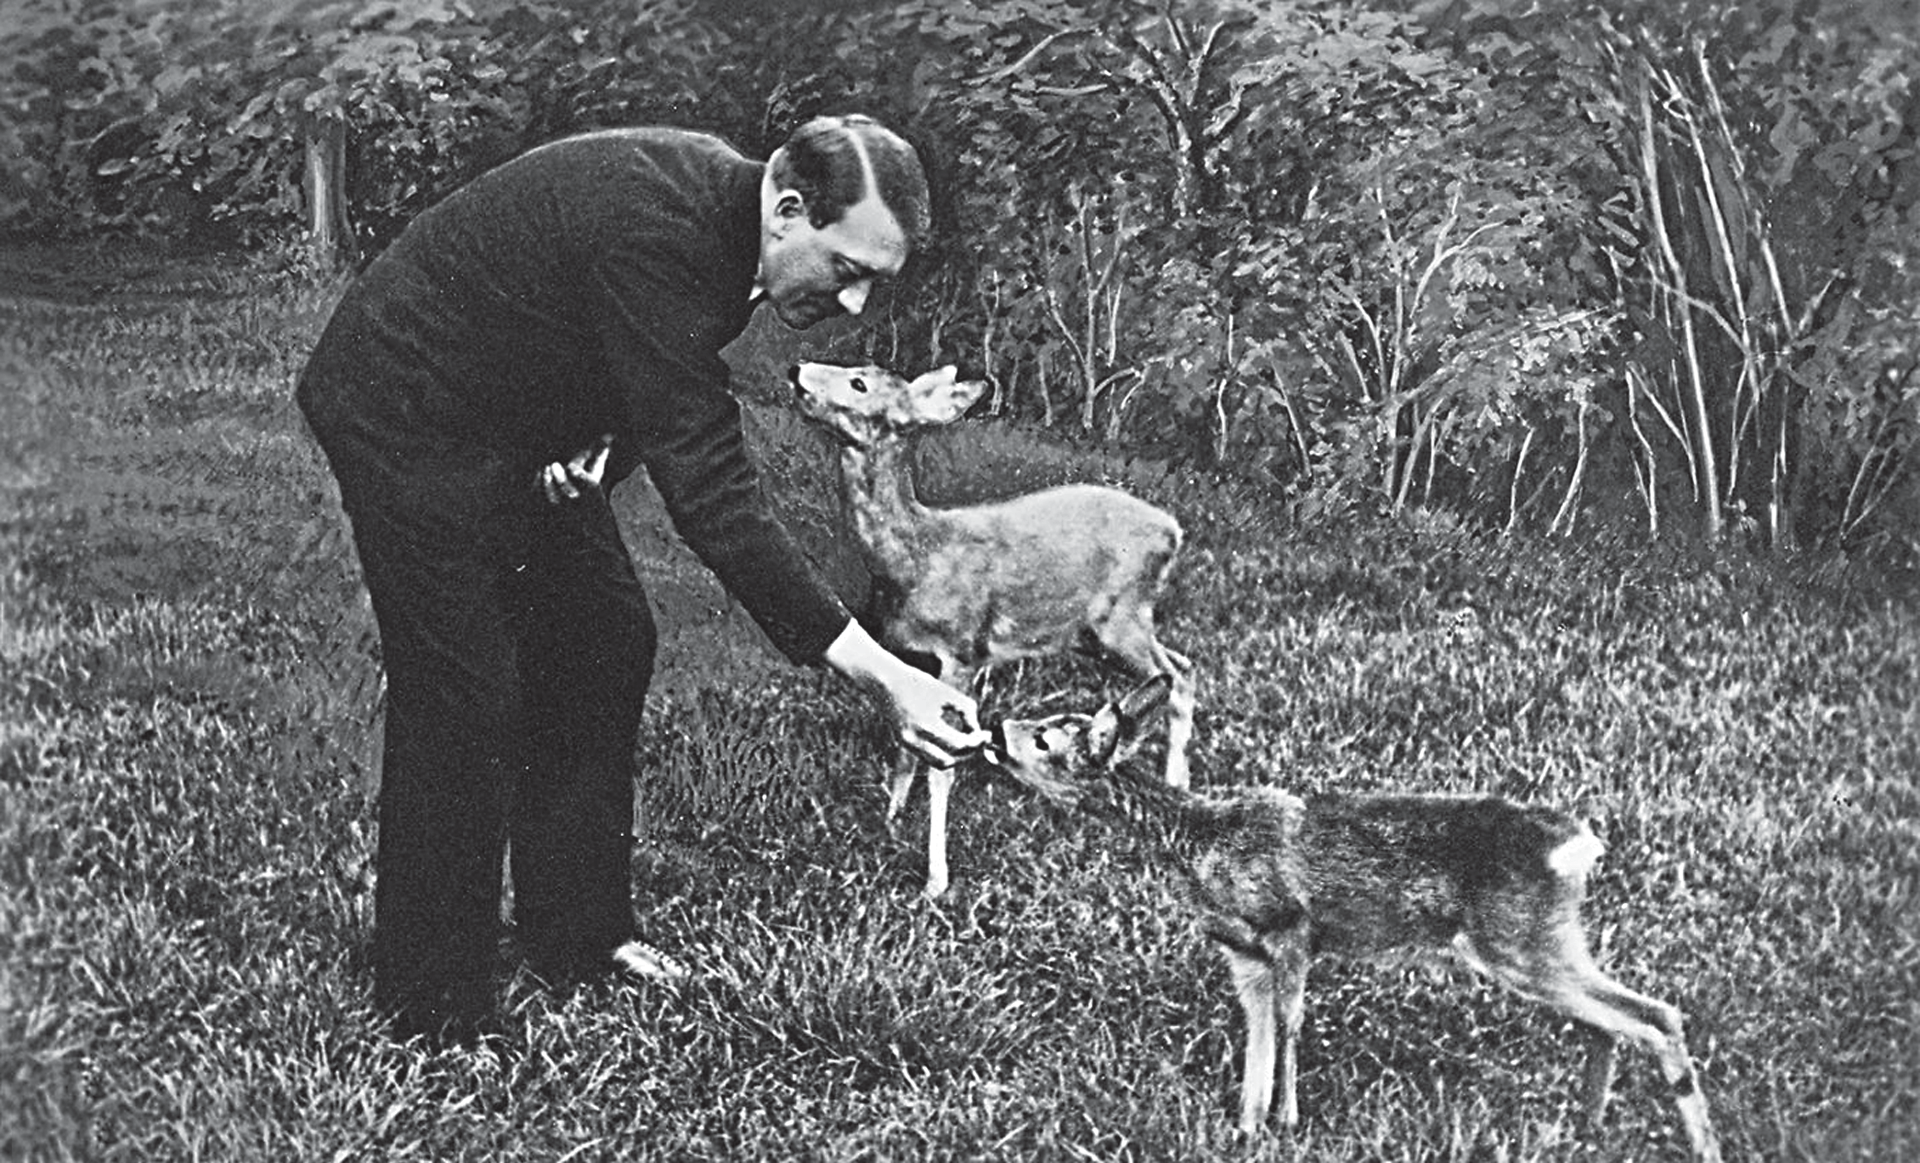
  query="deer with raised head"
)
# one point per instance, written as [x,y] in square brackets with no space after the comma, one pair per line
[1073,569]
[1277,880]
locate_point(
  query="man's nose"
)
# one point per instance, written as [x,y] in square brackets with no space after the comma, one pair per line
[853,296]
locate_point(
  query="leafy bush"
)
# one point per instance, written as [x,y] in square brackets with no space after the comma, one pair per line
[143,114]
[1540,264]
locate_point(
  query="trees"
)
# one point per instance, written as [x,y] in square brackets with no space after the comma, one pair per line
[248,121]
[1745,185]
[1539,261]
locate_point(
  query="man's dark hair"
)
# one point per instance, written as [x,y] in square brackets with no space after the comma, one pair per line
[822,160]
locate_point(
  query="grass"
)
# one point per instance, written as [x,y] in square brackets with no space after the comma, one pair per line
[187,733]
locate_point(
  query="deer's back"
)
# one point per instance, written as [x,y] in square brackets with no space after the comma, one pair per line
[1068,521]
[1027,575]
[1371,875]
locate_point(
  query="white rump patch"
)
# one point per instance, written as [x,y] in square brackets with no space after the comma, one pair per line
[1575,858]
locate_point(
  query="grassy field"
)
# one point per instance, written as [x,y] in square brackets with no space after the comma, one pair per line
[187,736]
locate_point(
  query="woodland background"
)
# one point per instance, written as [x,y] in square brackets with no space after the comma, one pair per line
[1647,264]
[1536,386]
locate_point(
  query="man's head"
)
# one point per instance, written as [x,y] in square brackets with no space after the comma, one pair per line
[842,206]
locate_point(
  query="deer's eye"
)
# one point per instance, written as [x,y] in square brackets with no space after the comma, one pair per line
[857,384]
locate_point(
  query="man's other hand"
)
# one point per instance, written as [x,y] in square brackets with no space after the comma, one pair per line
[566,483]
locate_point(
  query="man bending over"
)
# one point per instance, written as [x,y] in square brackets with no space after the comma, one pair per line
[555,322]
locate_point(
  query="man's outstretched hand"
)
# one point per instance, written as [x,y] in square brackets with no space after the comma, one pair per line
[936,722]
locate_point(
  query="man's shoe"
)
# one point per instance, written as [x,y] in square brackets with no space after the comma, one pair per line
[639,960]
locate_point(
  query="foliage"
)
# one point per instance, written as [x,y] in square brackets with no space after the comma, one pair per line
[145,113]
[1540,263]
[1433,328]
[1232,221]
[1726,297]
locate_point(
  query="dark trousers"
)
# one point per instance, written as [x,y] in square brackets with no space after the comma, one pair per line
[518,647]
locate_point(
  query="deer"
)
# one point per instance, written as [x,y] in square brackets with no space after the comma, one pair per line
[1277,880]
[1071,570]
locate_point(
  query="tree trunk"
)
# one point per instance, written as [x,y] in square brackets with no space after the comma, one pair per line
[329,229]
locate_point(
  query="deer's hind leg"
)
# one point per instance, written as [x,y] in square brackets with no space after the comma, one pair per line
[1618,1012]
[1568,981]
[1596,1084]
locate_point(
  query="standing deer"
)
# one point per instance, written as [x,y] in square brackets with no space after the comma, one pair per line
[1074,569]
[1277,880]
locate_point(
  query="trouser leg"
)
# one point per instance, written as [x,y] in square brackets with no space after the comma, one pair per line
[451,761]
[518,648]
[437,528]
[586,659]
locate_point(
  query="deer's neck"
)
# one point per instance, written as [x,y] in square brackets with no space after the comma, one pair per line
[1173,823]
[884,508]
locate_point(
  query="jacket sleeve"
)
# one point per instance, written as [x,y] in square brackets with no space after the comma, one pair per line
[662,333]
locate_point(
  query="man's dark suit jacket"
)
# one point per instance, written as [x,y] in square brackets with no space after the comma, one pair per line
[585,287]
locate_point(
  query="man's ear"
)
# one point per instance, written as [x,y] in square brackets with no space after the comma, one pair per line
[789,205]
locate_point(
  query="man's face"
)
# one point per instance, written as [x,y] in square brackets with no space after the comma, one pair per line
[810,274]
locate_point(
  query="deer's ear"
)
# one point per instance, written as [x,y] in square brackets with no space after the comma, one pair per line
[943,397]
[940,378]
[1103,734]
[1134,716]
[1146,700]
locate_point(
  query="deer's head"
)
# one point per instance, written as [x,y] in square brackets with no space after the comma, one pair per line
[862,405]
[1066,757]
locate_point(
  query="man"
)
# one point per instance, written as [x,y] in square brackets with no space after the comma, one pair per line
[559,319]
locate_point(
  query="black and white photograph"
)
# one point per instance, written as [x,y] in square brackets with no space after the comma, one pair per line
[1272,581]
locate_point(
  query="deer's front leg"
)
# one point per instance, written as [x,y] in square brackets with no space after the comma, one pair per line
[940,782]
[1290,987]
[905,767]
[939,787]
[1253,984]
[1180,709]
